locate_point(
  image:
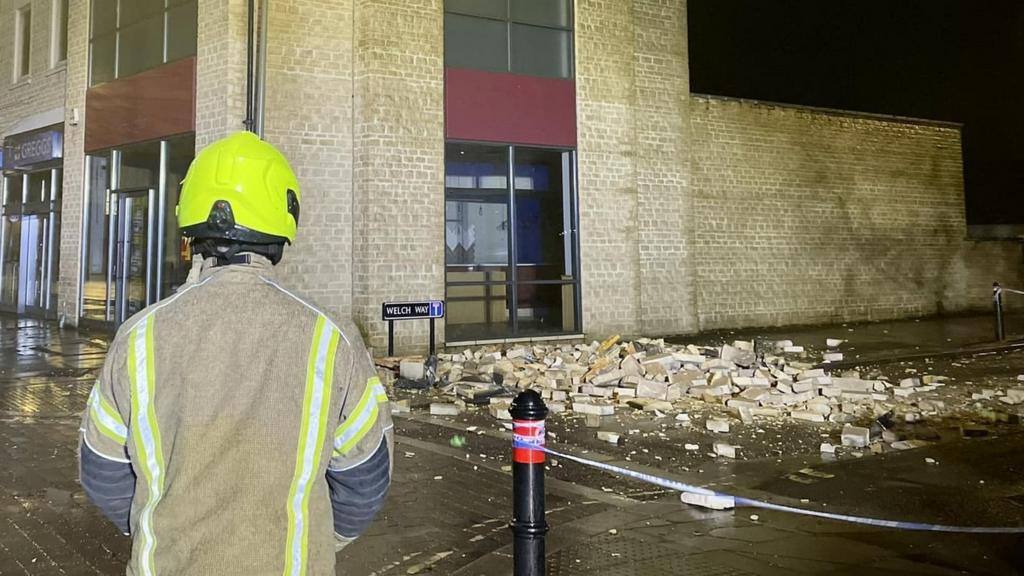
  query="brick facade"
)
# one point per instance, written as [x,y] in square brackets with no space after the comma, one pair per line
[43,89]
[68,286]
[695,212]
[807,216]
[399,162]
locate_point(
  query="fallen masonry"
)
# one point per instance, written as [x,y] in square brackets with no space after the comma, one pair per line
[729,389]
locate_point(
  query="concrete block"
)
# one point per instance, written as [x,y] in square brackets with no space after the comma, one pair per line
[500,411]
[806,415]
[651,389]
[910,383]
[444,409]
[832,357]
[755,394]
[610,437]
[707,501]
[593,408]
[833,342]
[412,369]
[725,450]
[717,425]
[856,436]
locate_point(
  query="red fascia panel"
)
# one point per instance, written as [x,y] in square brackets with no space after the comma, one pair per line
[498,107]
[153,104]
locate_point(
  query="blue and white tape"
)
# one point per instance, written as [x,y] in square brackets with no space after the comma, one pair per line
[740,501]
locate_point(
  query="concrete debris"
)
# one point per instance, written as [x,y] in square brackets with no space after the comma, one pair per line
[717,425]
[740,388]
[708,501]
[725,450]
[856,436]
[444,409]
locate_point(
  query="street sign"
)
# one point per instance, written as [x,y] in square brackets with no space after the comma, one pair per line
[425,310]
[412,310]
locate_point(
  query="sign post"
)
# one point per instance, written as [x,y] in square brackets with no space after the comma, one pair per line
[424,310]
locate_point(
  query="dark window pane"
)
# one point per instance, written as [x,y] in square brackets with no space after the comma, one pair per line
[104,51]
[477,313]
[140,166]
[94,292]
[104,17]
[24,41]
[488,8]
[39,187]
[15,191]
[476,211]
[541,51]
[11,247]
[181,31]
[133,11]
[546,308]
[543,12]
[475,43]
[141,47]
[176,262]
[543,214]
[62,31]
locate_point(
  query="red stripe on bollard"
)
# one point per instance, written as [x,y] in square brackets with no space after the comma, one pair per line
[528,432]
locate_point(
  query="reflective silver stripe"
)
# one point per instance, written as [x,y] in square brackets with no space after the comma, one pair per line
[359,425]
[145,427]
[112,423]
[317,418]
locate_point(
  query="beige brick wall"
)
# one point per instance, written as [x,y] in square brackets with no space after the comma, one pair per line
[220,69]
[43,89]
[635,217]
[309,117]
[664,203]
[68,286]
[399,162]
[810,216]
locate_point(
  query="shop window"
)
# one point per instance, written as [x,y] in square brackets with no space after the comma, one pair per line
[510,247]
[22,42]
[132,36]
[531,37]
[133,250]
[59,33]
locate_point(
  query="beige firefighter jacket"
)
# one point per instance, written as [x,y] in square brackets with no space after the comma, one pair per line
[230,399]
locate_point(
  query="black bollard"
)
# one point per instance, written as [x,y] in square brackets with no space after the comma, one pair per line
[528,524]
[997,301]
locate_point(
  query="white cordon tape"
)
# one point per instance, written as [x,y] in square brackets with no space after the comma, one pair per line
[681,487]
[1010,290]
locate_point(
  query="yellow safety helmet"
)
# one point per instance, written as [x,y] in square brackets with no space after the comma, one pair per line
[240,188]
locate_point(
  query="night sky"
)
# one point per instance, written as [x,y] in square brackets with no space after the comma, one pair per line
[953,60]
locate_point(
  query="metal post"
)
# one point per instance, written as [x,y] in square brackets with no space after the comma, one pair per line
[432,337]
[528,524]
[391,338]
[997,302]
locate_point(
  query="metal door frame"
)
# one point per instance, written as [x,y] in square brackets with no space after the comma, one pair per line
[119,248]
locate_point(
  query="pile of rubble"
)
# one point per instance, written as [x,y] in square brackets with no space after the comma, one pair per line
[773,380]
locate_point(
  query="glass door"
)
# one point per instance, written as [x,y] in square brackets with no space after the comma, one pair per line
[510,236]
[130,278]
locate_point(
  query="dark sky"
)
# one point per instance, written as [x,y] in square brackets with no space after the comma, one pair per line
[955,60]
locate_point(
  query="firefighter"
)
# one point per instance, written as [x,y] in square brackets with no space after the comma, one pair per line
[236,428]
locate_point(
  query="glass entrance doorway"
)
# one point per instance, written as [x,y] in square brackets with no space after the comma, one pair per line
[130,282]
[29,222]
[511,245]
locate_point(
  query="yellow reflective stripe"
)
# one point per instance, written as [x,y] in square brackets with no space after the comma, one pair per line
[105,418]
[312,433]
[146,434]
[362,419]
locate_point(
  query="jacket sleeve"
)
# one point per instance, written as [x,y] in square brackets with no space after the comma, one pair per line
[109,484]
[105,469]
[359,474]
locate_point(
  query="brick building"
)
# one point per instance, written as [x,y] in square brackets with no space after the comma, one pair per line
[540,164]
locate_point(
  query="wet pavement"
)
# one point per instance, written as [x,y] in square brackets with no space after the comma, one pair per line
[448,509]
